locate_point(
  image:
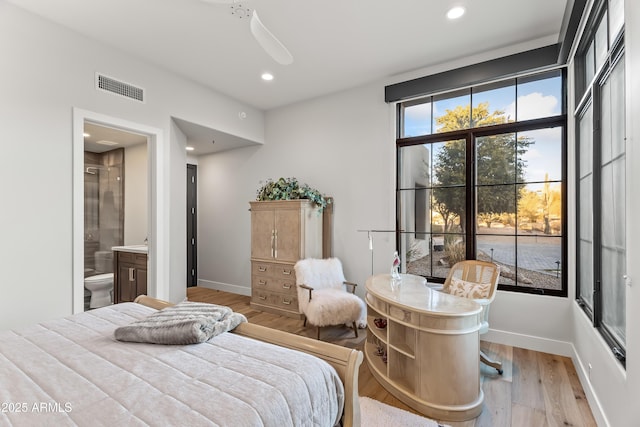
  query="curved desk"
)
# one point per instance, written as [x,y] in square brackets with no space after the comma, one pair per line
[432,345]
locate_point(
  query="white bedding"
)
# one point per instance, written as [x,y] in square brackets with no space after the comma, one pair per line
[72,371]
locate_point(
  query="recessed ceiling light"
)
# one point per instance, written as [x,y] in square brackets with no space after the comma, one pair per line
[190,148]
[267,76]
[455,12]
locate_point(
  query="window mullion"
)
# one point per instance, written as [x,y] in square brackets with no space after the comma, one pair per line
[597,208]
[471,196]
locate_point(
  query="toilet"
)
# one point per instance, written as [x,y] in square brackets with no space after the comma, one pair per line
[101,287]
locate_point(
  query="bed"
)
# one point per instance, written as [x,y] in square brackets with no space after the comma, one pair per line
[72,371]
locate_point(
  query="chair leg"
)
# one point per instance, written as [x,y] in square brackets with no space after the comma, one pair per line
[318,337]
[305,321]
[493,363]
[355,329]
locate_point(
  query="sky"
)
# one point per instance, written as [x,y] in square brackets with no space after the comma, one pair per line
[536,99]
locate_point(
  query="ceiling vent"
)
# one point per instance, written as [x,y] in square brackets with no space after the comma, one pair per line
[117,87]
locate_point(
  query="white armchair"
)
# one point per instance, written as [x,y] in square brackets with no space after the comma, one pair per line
[323,297]
[477,280]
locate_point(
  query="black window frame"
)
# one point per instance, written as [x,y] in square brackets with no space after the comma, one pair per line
[470,135]
[588,94]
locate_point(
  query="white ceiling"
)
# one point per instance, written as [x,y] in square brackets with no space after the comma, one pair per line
[203,140]
[98,139]
[336,44]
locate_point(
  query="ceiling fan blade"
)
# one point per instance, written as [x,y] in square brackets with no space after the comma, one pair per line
[219,1]
[269,42]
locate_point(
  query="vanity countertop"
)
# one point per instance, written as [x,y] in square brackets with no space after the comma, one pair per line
[139,249]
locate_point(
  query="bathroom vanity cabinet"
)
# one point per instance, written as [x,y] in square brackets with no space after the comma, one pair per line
[129,274]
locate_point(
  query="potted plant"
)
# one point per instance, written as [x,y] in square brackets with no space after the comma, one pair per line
[290,189]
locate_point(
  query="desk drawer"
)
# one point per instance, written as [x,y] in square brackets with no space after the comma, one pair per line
[376,304]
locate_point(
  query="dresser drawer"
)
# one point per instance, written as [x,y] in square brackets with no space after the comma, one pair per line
[273,284]
[272,269]
[275,299]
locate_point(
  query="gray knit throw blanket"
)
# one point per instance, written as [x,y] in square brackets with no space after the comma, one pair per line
[184,323]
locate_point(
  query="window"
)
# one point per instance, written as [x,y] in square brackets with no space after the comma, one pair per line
[484,180]
[601,160]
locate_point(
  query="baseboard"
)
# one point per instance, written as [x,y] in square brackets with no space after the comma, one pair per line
[530,342]
[234,289]
[592,398]
[561,348]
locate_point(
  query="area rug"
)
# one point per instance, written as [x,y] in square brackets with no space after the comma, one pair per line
[378,414]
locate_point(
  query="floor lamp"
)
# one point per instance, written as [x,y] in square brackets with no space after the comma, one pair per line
[370,237]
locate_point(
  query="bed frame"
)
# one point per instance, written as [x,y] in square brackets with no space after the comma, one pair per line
[344,360]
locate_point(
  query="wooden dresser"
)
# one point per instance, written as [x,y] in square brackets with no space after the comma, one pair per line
[282,232]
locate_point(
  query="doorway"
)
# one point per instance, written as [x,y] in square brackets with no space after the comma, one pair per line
[192,237]
[159,255]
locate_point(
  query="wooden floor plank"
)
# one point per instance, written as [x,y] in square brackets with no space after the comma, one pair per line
[497,404]
[560,404]
[524,416]
[536,389]
[578,394]
[526,387]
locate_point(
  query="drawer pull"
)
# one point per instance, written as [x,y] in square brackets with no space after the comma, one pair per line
[262,282]
[262,269]
[286,302]
[262,297]
[286,286]
[286,272]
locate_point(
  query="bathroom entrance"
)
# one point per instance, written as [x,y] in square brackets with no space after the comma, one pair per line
[156,224]
[115,204]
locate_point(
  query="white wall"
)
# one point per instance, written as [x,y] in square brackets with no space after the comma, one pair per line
[46,71]
[135,194]
[178,214]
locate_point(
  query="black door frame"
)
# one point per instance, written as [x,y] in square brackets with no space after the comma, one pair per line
[192,221]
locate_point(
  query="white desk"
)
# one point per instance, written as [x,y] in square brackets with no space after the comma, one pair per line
[432,345]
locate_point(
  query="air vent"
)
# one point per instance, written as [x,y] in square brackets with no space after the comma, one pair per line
[117,87]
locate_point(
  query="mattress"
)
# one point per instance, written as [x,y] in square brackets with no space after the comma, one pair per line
[72,371]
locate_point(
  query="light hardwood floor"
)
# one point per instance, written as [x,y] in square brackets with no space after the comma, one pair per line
[536,389]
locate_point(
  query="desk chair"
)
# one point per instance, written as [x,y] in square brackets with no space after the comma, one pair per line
[477,280]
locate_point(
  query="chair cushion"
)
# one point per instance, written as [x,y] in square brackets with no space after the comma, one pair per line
[320,273]
[334,307]
[465,289]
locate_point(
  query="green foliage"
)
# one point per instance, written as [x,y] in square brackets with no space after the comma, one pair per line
[290,189]
[499,164]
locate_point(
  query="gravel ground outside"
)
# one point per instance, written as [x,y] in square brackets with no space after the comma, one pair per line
[438,267]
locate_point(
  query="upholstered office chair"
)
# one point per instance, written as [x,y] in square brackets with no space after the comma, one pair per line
[323,298]
[477,280]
